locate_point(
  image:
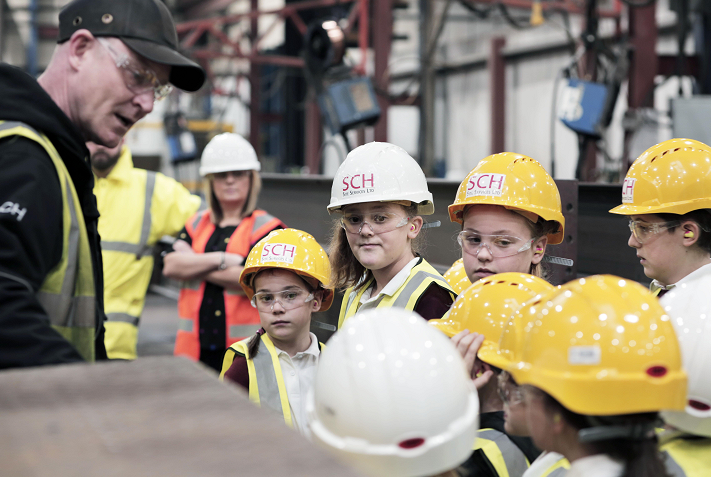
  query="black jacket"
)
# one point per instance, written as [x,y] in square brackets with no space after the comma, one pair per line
[32,246]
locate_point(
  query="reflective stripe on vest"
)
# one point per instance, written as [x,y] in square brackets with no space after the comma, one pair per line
[506,458]
[123,317]
[138,249]
[421,277]
[244,330]
[241,318]
[266,381]
[558,471]
[687,457]
[67,293]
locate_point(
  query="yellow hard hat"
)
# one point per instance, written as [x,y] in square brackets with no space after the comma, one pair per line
[673,177]
[485,307]
[457,278]
[601,345]
[515,182]
[293,250]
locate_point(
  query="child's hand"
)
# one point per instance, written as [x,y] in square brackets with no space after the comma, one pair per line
[468,345]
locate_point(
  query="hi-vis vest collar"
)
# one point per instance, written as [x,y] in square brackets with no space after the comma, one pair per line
[421,277]
[67,294]
[685,454]
[501,452]
[266,381]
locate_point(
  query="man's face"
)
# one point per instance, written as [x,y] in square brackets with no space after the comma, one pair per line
[104,158]
[109,100]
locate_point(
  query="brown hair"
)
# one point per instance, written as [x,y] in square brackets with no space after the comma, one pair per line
[702,217]
[640,456]
[346,270]
[539,230]
[216,215]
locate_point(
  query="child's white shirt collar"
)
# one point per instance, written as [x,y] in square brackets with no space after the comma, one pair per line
[393,285]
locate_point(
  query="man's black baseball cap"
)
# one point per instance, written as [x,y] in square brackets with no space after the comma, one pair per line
[145,26]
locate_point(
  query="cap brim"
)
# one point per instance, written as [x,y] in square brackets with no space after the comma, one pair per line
[185,74]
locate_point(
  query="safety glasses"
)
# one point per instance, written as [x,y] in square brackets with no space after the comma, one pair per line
[378,222]
[508,392]
[137,79]
[499,246]
[288,299]
[643,231]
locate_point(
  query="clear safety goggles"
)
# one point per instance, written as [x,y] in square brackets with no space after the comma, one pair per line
[643,231]
[499,246]
[508,392]
[137,79]
[288,299]
[378,222]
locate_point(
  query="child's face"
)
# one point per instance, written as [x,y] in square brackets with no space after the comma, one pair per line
[496,220]
[661,253]
[514,407]
[542,423]
[378,251]
[285,322]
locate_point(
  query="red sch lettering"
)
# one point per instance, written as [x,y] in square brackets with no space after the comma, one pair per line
[361,182]
[368,180]
[500,181]
[478,181]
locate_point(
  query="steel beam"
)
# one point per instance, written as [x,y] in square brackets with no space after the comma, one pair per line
[255,85]
[644,66]
[569,6]
[382,41]
[497,86]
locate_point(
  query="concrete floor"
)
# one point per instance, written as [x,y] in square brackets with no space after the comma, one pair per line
[159,324]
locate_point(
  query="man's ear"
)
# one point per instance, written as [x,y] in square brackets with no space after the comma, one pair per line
[79,45]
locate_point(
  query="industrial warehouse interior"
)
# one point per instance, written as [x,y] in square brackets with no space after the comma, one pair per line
[446,237]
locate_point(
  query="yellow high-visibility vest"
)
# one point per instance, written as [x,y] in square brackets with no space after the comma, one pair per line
[67,293]
[270,389]
[687,456]
[137,208]
[421,277]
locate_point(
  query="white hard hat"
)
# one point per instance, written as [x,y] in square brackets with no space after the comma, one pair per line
[228,152]
[380,172]
[689,307]
[392,397]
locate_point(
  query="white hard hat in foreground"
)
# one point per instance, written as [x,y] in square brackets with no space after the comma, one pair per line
[689,308]
[392,397]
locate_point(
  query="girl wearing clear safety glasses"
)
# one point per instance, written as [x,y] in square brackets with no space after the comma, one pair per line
[378,196]
[509,209]
[285,277]
[667,197]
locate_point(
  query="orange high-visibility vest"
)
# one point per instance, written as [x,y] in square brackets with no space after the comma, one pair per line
[241,318]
